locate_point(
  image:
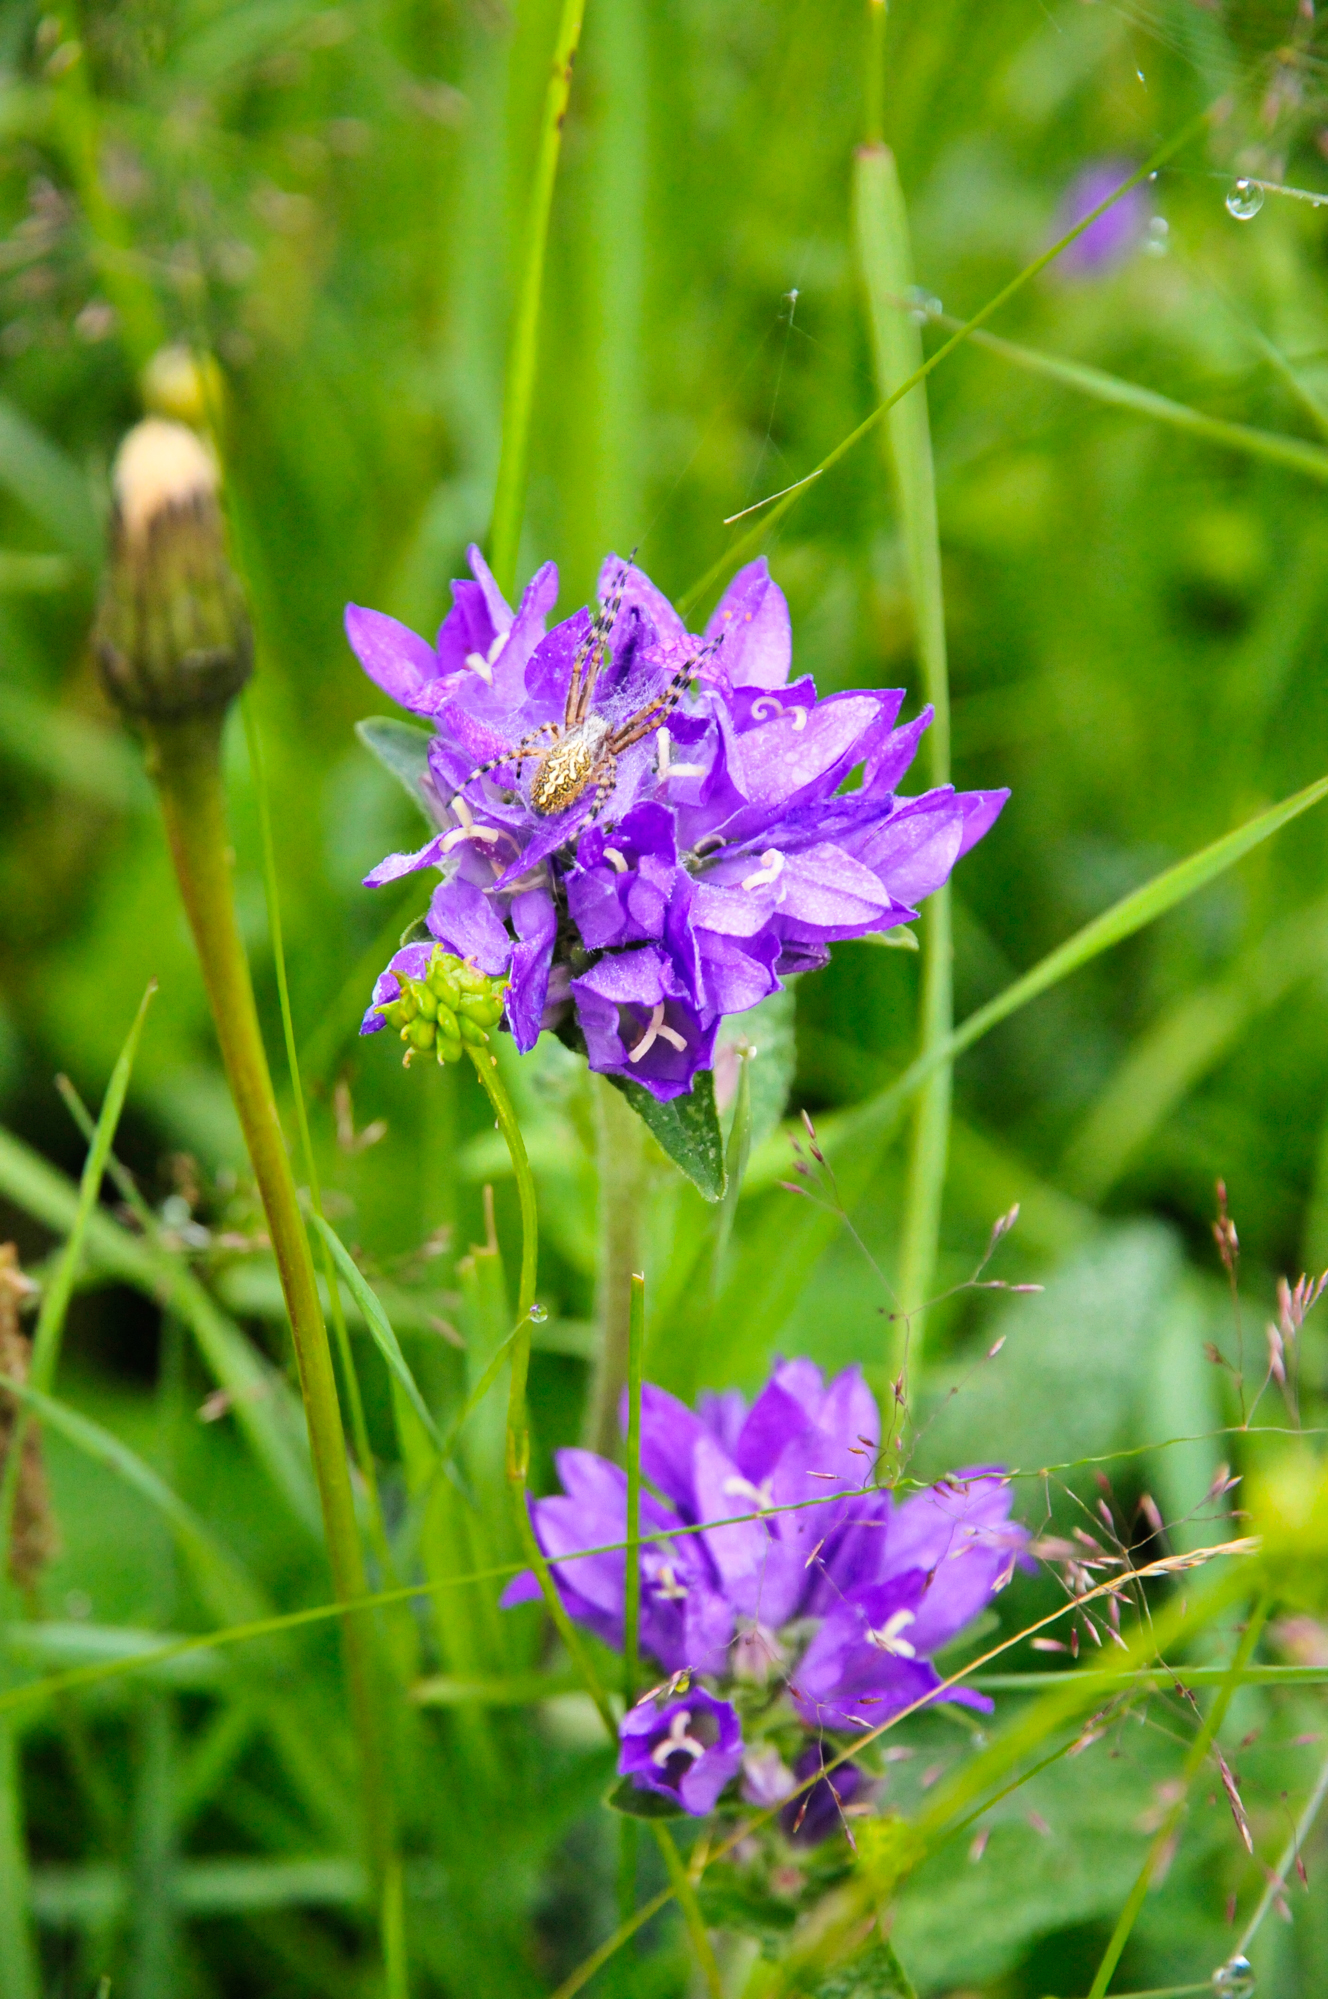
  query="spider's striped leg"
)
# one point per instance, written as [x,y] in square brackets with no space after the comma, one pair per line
[525,749]
[608,766]
[515,756]
[601,631]
[649,718]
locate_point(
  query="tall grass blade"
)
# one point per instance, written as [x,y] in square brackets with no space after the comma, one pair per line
[260,1398]
[55,1301]
[359,1428]
[886,260]
[50,486]
[636,1344]
[1185,1043]
[747,544]
[1194,1762]
[523,351]
[18,1959]
[380,1327]
[1292,453]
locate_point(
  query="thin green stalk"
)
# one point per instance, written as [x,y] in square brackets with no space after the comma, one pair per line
[18,1958]
[185,761]
[1291,452]
[518,1443]
[636,1346]
[886,259]
[396,1965]
[875,106]
[1294,1846]
[683,1888]
[748,543]
[359,1428]
[621,1158]
[523,352]
[55,1299]
[1194,1761]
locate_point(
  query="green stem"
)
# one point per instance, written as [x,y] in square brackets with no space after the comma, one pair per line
[518,1442]
[1193,1763]
[359,1428]
[886,259]
[876,24]
[636,1343]
[622,1174]
[681,1882]
[519,390]
[1294,1847]
[185,760]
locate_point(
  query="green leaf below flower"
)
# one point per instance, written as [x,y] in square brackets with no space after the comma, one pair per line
[635,1804]
[404,750]
[686,1128]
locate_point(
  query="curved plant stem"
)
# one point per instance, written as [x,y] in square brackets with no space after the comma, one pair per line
[685,1890]
[523,352]
[1166,1831]
[620,1149]
[359,1428]
[185,760]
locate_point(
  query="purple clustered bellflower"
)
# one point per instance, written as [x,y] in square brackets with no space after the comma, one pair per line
[813,1617]
[643,830]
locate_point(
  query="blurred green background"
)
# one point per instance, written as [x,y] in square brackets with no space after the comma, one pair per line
[331,199]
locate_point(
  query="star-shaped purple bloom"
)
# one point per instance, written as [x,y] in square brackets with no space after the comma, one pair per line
[686,1749]
[709,852]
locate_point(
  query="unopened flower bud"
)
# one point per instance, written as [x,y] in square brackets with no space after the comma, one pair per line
[451,1007]
[173,633]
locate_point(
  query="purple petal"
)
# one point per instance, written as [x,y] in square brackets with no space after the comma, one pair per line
[462,917]
[752,622]
[429,855]
[399,660]
[639,593]
[708,1735]
[536,923]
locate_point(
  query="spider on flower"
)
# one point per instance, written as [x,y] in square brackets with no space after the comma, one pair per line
[586,747]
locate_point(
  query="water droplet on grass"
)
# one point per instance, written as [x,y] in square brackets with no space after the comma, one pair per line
[1234,1979]
[1244,200]
[538,1314]
[1155,237]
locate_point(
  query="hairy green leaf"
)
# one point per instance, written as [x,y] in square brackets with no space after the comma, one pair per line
[687,1129]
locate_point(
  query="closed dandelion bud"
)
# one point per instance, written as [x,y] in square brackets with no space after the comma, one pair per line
[173,634]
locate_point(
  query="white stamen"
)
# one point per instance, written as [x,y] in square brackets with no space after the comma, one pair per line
[771,868]
[616,860]
[463,811]
[672,1036]
[664,770]
[479,664]
[887,1639]
[742,1488]
[650,1037]
[669,1587]
[676,1739]
[766,708]
[471,832]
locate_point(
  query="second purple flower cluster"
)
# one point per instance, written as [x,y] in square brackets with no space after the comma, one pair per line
[804,1591]
[645,830]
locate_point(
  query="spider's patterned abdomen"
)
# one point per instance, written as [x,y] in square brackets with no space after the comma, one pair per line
[563,775]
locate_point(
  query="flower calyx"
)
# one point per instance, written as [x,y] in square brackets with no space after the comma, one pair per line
[453,1006]
[173,633]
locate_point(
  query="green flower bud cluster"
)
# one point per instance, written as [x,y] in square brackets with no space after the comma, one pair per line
[453,1005]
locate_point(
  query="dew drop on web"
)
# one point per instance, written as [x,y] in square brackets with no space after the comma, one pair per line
[1244,200]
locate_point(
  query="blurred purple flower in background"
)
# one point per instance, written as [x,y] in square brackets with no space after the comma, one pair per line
[1110,240]
[645,830]
[686,1748]
[801,1571]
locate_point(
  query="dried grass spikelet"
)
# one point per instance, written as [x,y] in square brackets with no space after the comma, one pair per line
[36,1540]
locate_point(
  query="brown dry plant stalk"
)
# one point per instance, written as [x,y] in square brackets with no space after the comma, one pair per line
[36,1539]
